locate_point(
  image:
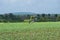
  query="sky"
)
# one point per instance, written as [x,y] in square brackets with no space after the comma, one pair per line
[36,6]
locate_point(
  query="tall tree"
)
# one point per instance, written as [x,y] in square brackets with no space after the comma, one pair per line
[43,17]
[49,17]
[1,17]
[38,17]
[28,16]
[56,15]
[11,17]
[5,18]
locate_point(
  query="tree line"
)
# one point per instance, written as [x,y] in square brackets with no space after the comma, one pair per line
[10,17]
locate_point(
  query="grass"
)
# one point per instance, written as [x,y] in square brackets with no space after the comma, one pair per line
[33,31]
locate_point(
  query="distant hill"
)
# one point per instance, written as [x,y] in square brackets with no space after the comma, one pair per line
[24,13]
[29,13]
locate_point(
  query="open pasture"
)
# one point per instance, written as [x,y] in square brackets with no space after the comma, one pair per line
[33,31]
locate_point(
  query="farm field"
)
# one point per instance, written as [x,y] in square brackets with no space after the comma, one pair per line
[33,31]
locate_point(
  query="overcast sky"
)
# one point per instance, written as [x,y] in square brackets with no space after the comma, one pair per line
[38,6]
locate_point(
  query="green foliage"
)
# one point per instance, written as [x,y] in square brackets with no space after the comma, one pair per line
[10,17]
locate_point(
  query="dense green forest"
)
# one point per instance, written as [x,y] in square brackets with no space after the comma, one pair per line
[10,17]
